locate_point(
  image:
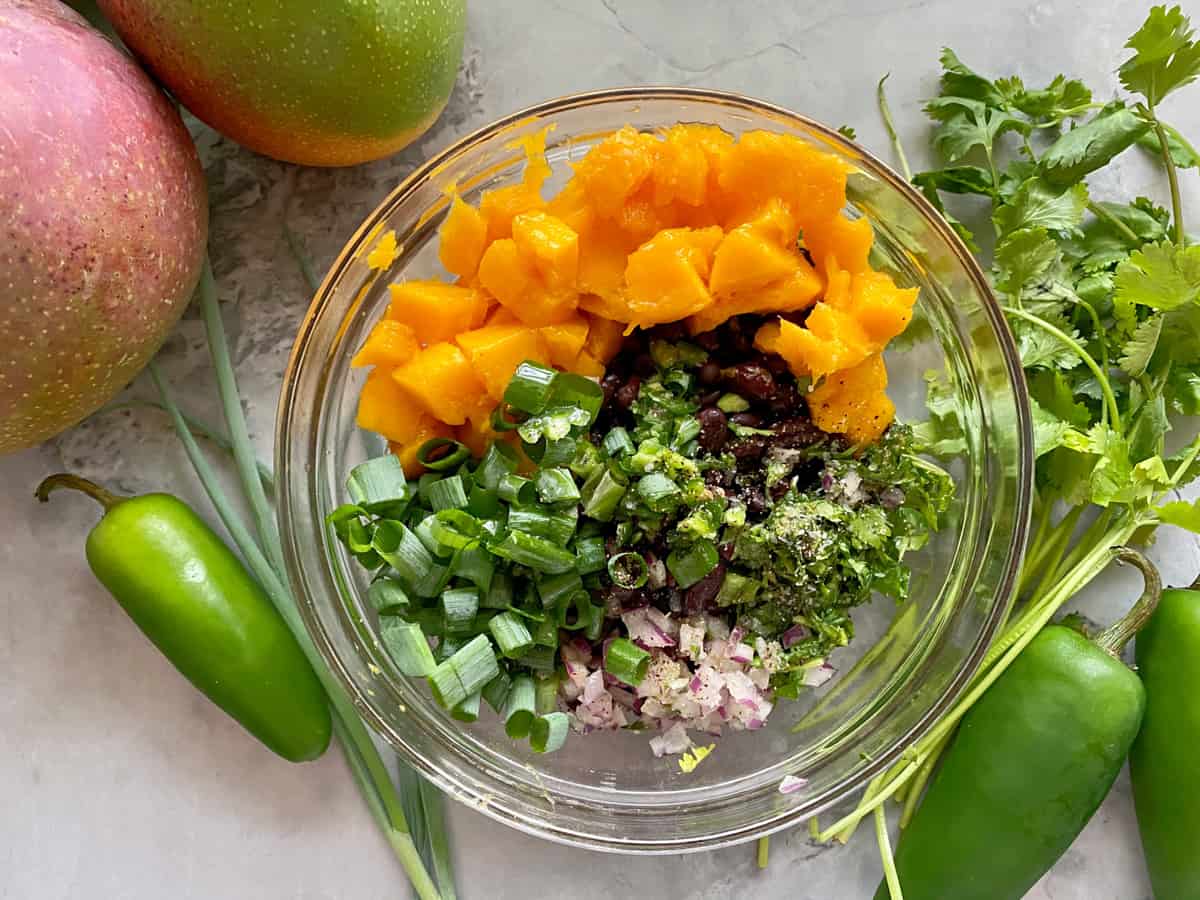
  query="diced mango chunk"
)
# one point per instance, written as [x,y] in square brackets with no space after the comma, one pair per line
[387,410]
[586,364]
[603,338]
[407,450]
[551,246]
[853,402]
[390,343]
[462,239]
[564,340]
[495,351]
[848,241]
[437,311]
[615,168]
[441,379]
[746,260]
[664,279]
[514,281]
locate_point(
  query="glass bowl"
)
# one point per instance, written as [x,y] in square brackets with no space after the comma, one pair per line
[907,664]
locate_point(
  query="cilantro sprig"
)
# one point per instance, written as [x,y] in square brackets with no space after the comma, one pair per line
[1103,297]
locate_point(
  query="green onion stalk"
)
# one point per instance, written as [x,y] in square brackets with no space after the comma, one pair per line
[263,552]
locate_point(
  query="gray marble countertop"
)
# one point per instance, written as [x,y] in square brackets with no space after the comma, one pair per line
[119,781]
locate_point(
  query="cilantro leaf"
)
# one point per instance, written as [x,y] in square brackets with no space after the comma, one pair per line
[1139,349]
[1054,393]
[1183,390]
[848,132]
[1181,513]
[966,123]
[1049,431]
[1037,204]
[942,433]
[1022,257]
[1165,56]
[1112,477]
[1040,349]
[960,81]
[1183,154]
[1149,428]
[1102,245]
[1060,99]
[1092,145]
[1160,276]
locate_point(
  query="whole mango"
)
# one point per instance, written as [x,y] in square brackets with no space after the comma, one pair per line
[103,219]
[317,82]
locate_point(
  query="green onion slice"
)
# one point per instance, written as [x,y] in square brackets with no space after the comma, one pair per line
[618,442]
[549,732]
[601,494]
[467,671]
[495,692]
[408,647]
[387,597]
[468,710]
[530,388]
[519,707]
[510,634]
[628,570]
[556,486]
[534,552]
[499,460]
[460,606]
[447,493]
[517,489]
[589,555]
[571,389]
[430,454]
[626,662]
[378,481]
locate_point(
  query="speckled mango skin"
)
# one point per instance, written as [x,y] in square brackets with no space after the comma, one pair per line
[103,220]
[316,82]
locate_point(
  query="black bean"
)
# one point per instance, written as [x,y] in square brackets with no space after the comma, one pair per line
[669,331]
[710,399]
[714,430]
[710,373]
[753,380]
[776,365]
[643,364]
[709,340]
[778,489]
[748,419]
[749,449]
[785,400]
[628,392]
[756,503]
[797,431]
[609,383]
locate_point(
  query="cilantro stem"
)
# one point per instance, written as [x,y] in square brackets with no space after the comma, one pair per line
[298,254]
[1126,232]
[764,852]
[1091,363]
[890,126]
[1174,132]
[1172,177]
[885,853]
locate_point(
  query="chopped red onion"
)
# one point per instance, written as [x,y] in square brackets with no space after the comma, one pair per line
[741,653]
[793,635]
[646,627]
[817,676]
[791,784]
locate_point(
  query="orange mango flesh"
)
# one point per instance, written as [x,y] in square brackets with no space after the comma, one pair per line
[686,224]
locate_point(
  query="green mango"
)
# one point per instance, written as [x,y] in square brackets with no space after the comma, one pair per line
[317,82]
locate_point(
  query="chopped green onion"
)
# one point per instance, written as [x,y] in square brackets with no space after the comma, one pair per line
[540,658]
[549,732]
[628,570]
[404,552]
[534,552]
[531,386]
[689,566]
[483,503]
[464,673]
[556,527]
[430,456]
[500,460]
[519,707]
[595,623]
[447,493]
[589,555]
[500,594]
[454,528]
[581,605]
[587,459]
[379,483]
[545,693]
[680,380]
[386,596]
[618,442]
[601,494]
[546,633]
[448,646]
[516,489]
[408,647]
[359,538]
[343,516]
[495,692]
[459,608]
[433,581]
[424,532]
[571,389]
[475,564]
[657,491]
[510,634]
[549,453]
[501,420]
[429,618]
[556,486]
[468,710]
[737,589]
[732,403]
[626,661]
[556,589]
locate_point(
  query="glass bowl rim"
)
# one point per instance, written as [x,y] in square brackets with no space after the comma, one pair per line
[1014,549]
